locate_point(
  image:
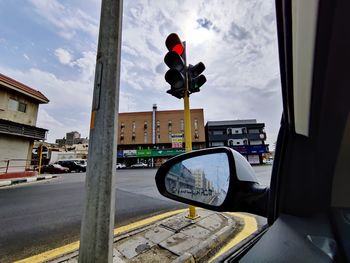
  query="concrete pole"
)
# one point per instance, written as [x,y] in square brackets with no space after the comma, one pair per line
[96,238]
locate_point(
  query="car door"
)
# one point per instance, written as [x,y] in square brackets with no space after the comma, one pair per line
[308,203]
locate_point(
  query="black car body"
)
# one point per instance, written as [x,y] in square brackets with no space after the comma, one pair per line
[73,165]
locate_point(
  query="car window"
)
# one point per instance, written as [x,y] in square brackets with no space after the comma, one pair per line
[48,64]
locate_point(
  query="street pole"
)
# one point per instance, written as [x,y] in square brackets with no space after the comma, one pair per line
[40,157]
[96,238]
[188,133]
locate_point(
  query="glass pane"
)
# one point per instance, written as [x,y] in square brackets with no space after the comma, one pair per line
[13,104]
[203,179]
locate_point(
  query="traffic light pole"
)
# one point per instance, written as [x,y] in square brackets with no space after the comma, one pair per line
[96,237]
[188,133]
[188,140]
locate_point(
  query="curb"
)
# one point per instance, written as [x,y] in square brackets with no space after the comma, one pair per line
[25,180]
[204,251]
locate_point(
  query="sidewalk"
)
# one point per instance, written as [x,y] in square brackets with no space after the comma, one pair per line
[173,238]
[12,181]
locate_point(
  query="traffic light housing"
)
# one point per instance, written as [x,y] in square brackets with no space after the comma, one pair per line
[196,80]
[175,60]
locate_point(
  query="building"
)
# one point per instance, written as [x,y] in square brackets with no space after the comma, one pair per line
[72,138]
[154,136]
[19,106]
[245,136]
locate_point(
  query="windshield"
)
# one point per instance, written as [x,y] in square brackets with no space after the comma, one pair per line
[54,95]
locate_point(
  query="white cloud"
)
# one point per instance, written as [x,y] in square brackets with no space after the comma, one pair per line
[68,99]
[26,56]
[236,42]
[63,56]
[67,19]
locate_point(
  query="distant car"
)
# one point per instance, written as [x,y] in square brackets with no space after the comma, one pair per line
[269,161]
[54,169]
[139,165]
[121,166]
[74,165]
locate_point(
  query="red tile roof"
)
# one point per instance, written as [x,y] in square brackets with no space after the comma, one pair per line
[15,85]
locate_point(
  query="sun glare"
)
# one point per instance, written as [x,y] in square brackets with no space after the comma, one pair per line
[195,34]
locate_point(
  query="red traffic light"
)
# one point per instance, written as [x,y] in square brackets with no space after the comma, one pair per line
[173,43]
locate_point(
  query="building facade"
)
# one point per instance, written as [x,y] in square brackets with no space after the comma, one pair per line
[19,106]
[245,136]
[72,138]
[154,136]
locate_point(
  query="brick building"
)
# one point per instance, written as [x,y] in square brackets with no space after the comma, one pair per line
[149,136]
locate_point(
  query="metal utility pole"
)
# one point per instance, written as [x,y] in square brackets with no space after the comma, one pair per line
[96,239]
[188,139]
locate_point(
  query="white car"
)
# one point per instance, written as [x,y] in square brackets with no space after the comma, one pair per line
[139,165]
[120,165]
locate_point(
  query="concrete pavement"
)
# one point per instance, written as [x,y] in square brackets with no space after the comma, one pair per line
[169,237]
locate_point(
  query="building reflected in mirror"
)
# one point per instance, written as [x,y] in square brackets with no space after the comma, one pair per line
[203,179]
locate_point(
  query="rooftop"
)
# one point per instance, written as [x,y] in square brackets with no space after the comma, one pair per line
[20,87]
[231,122]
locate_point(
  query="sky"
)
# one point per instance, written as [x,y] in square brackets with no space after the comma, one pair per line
[51,46]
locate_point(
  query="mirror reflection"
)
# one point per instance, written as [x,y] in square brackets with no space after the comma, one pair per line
[203,179]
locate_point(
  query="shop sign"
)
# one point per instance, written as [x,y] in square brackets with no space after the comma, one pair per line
[129,153]
[143,153]
[176,140]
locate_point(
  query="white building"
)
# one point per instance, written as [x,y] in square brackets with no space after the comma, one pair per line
[19,106]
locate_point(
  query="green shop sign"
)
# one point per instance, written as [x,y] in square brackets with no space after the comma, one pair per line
[159,153]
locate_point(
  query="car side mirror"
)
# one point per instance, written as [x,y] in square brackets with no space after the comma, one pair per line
[218,179]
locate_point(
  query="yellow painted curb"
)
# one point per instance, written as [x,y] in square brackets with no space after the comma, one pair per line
[54,253]
[250,226]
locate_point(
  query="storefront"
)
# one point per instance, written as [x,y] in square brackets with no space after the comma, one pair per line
[149,156]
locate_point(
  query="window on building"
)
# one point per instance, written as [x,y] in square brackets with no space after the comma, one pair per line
[217,144]
[253,131]
[133,126]
[170,125]
[169,135]
[145,137]
[158,125]
[133,138]
[16,105]
[195,124]
[229,131]
[22,107]
[182,126]
[255,142]
[145,125]
[218,132]
[158,137]
[196,135]
[122,126]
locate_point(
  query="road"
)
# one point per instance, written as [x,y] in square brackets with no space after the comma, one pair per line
[40,216]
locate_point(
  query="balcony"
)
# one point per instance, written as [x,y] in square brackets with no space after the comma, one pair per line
[18,129]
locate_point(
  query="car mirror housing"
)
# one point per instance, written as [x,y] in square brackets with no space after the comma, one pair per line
[218,179]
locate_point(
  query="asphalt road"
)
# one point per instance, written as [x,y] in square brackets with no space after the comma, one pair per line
[39,216]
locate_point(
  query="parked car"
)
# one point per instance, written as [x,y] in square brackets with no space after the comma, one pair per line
[121,166]
[74,165]
[139,165]
[54,169]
